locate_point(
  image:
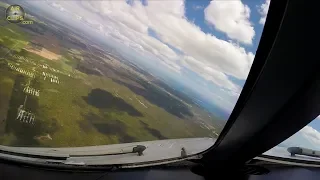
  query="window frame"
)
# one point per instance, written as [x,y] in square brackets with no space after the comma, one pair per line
[275,97]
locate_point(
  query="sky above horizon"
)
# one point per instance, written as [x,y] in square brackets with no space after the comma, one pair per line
[208,46]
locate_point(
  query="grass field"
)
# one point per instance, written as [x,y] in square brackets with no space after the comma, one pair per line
[82,110]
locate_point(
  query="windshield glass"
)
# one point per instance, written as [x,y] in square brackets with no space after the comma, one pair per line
[307,138]
[84,73]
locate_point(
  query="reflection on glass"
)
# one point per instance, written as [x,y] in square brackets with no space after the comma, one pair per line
[82,73]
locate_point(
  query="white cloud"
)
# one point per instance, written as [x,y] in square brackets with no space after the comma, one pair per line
[311,134]
[232,18]
[307,137]
[210,57]
[209,73]
[167,19]
[263,10]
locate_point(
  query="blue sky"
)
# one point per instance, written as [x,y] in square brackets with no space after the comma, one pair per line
[151,36]
[201,47]
[196,16]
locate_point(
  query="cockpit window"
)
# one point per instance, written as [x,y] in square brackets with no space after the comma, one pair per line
[88,73]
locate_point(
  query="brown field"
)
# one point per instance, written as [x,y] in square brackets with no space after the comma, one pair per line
[44,53]
[49,41]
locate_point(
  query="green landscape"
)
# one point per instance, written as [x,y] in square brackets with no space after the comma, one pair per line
[85,96]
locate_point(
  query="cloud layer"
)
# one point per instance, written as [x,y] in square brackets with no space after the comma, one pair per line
[204,53]
[176,42]
[307,137]
[179,44]
[263,10]
[232,18]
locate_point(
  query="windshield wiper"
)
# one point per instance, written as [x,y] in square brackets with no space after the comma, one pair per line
[34,154]
[303,151]
[137,149]
[62,158]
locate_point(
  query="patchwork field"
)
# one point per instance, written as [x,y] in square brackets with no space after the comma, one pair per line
[66,94]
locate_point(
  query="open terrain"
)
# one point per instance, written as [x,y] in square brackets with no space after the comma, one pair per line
[57,89]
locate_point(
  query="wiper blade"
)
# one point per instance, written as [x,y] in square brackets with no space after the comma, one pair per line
[17,152]
[303,151]
[137,154]
[137,149]
[61,157]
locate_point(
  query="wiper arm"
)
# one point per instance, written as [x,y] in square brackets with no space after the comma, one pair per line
[303,151]
[61,158]
[15,151]
[137,149]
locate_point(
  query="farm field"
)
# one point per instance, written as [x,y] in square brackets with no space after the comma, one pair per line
[64,92]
